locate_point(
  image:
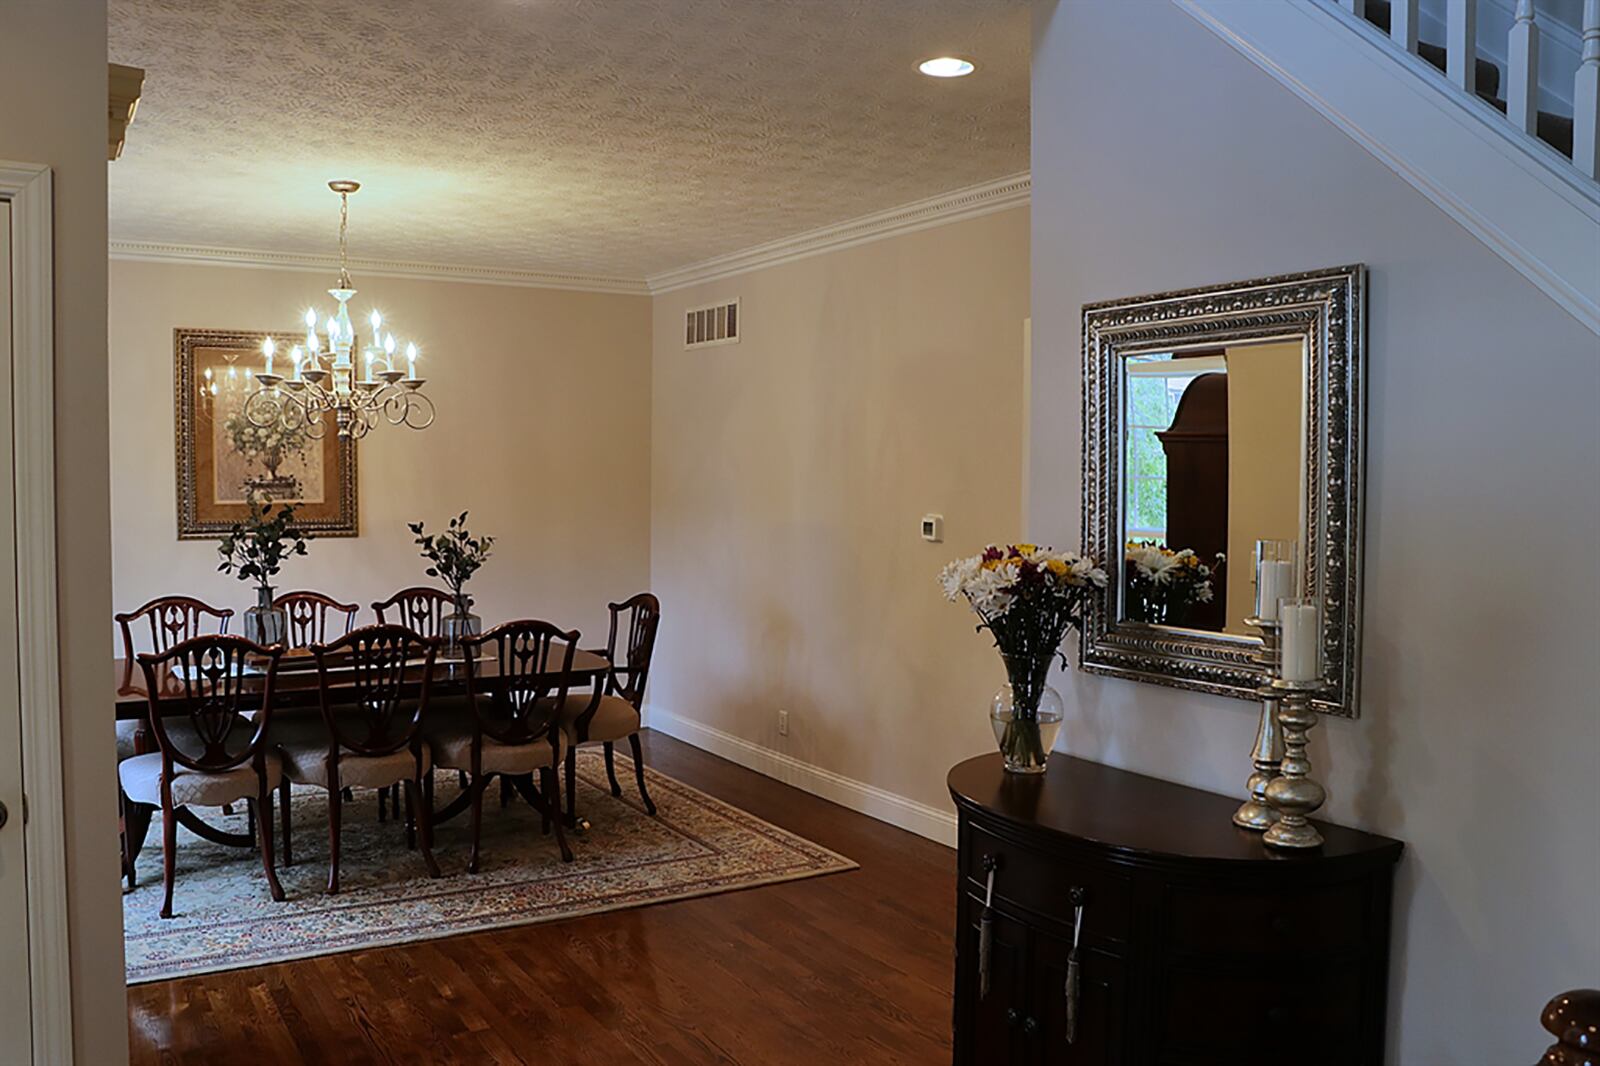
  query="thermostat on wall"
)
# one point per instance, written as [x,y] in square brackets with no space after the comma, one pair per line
[933,527]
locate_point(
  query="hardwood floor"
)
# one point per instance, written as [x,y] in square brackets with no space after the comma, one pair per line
[853,968]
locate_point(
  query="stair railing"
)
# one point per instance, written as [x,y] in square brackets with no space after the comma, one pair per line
[1522,62]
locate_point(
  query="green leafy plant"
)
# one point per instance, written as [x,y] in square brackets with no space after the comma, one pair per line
[455,555]
[254,549]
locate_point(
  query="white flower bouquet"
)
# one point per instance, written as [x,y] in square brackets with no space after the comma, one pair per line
[1163,584]
[1027,597]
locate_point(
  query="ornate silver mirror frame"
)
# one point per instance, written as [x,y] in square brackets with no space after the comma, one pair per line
[1325,310]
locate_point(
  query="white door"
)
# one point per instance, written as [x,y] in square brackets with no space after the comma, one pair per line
[16,1038]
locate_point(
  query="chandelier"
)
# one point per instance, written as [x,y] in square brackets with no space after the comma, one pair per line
[330,377]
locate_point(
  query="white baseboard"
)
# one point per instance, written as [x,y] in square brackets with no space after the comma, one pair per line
[907,814]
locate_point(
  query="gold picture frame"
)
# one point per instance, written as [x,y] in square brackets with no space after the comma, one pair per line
[221,456]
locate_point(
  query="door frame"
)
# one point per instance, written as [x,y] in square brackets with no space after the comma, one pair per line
[28,188]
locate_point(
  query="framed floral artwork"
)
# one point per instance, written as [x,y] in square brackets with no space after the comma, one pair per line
[224,456]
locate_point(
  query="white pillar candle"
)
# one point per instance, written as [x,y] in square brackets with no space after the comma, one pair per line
[1302,641]
[1274,581]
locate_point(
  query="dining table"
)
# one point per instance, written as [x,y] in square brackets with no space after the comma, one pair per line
[297,690]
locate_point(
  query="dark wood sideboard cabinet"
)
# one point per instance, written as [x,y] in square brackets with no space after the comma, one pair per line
[1199,944]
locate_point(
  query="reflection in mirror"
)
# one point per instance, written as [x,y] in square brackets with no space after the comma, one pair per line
[1213,461]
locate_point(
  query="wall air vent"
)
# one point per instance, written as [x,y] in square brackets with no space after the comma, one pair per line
[716,324]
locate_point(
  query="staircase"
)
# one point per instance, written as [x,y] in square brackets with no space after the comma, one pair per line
[1522,53]
[1488,144]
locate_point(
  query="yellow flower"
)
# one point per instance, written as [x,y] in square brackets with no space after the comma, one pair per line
[1057,567]
[1025,549]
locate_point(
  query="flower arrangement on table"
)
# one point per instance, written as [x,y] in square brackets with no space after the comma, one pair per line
[254,550]
[1028,598]
[454,556]
[1162,585]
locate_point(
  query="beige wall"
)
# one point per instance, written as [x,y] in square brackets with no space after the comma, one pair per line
[1480,723]
[53,79]
[542,433]
[872,385]
[1265,411]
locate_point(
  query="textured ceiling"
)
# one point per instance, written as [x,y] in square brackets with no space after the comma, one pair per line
[611,137]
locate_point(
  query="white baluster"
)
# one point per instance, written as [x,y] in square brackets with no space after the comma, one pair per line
[1461,44]
[1586,96]
[1403,24]
[1358,8]
[1522,57]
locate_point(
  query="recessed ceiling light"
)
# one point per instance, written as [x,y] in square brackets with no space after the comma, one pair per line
[946,67]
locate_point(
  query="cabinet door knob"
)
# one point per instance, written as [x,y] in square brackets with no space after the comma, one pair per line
[1030,1026]
[1013,1016]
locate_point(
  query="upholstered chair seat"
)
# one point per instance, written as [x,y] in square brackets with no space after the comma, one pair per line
[452,750]
[306,763]
[141,781]
[615,719]
[125,734]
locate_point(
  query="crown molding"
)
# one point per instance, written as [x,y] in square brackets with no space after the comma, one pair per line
[970,202]
[155,252]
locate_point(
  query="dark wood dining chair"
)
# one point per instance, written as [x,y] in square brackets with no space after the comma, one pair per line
[168,620]
[518,677]
[616,715]
[209,752]
[315,618]
[420,609]
[370,735]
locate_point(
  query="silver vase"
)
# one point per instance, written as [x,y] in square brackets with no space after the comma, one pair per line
[264,623]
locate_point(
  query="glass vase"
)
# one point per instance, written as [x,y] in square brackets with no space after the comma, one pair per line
[1026,715]
[264,623]
[457,626]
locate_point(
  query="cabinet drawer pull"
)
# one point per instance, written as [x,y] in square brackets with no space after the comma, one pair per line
[1074,978]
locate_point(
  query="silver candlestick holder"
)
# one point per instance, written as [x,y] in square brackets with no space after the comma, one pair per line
[1293,794]
[1267,752]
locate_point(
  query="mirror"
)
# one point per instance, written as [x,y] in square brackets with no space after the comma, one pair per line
[1214,418]
[1213,461]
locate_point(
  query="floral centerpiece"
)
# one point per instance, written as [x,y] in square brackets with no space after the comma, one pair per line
[1027,597]
[254,550]
[454,556]
[1162,584]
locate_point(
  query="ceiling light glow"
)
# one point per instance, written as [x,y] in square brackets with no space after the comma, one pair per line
[946,67]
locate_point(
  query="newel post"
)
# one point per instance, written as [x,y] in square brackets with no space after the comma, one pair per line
[1586,95]
[1573,1018]
[1522,57]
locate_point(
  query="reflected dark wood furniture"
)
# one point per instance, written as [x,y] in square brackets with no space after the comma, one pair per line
[210,753]
[310,614]
[512,727]
[617,713]
[370,733]
[1573,1018]
[1196,445]
[420,608]
[169,621]
[1189,926]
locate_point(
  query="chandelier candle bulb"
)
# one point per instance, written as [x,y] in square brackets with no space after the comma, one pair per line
[1302,641]
[411,361]
[267,348]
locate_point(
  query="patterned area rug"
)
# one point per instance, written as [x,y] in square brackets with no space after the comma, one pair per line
[225,919]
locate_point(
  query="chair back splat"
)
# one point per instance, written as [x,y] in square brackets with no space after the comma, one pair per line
[515,688]
[383,674]
[635,620]
[419,608]
[313,617]
[213,680]
[170,620]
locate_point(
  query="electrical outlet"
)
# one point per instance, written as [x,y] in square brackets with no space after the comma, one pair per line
[783,723]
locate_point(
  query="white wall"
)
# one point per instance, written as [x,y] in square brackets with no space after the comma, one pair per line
[543,434]
[53,88]
[1162,159]
[872,385]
